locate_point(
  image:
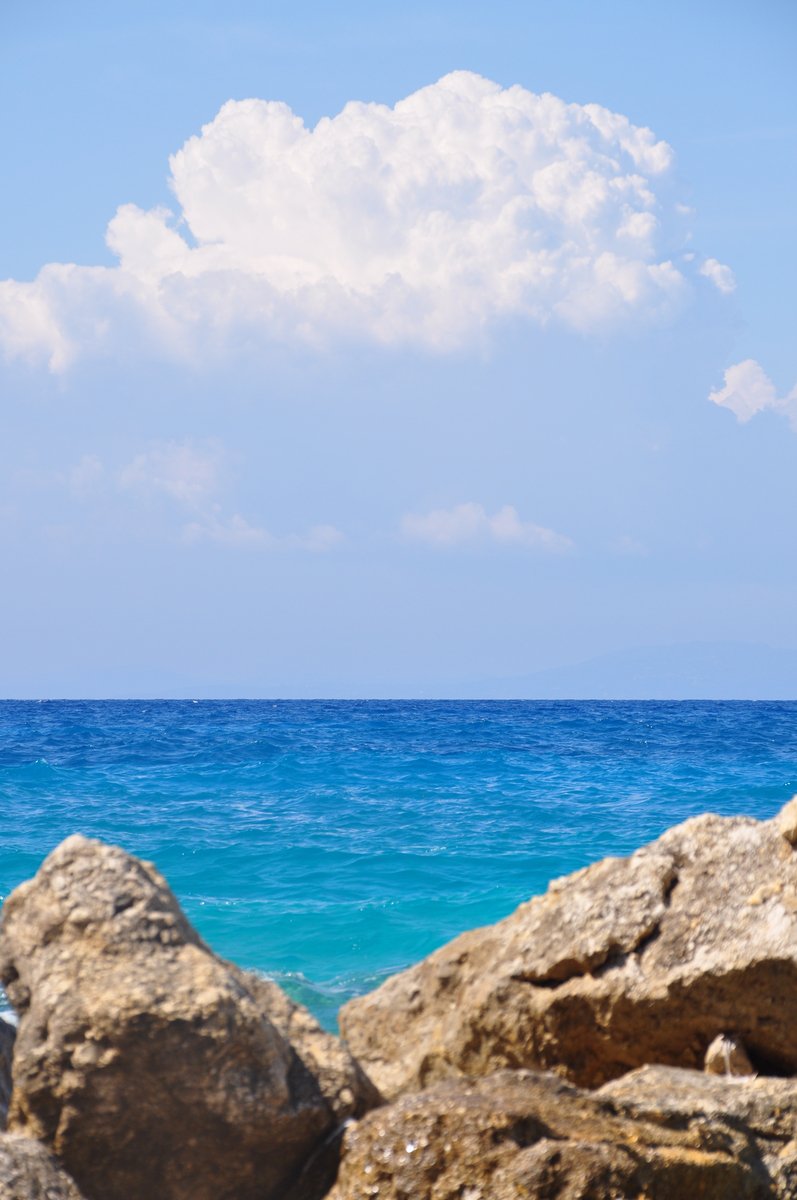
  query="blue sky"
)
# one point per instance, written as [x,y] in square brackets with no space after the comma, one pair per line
[459,386]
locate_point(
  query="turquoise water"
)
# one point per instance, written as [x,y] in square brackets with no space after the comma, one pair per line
[332,843]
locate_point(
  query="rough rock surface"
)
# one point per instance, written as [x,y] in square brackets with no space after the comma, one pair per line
[144,1061]
[29,1172]
[765,1108]
[664,1134]
[7,1036]
[787,821]
[344,1085]
[630,961]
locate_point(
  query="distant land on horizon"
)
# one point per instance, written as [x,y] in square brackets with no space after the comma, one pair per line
[687,671]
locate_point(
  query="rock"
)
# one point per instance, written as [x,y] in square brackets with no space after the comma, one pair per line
[630,961]
[29,1172]
[765,1108]
[150,1066]
[522,1134]
[727,1056]
[344,1085]
[764,1105]
[787,821]
[7,1036]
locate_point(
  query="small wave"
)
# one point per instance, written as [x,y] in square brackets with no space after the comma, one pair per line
[327,995]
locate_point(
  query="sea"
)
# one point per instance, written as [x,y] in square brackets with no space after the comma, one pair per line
[329,844]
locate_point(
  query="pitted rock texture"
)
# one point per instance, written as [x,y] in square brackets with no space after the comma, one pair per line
[518,1134]
[7,1036]
[763,1108]
[29,1172]
[144,1061]
[344,1085]
[630,961]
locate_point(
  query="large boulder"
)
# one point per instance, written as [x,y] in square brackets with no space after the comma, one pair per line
[7,1036]
[630,961]
[29,1172]
[149,1065]
[669,1135]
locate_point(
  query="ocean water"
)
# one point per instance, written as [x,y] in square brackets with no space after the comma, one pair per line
[331,843]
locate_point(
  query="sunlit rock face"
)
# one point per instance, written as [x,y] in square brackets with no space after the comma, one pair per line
[629,961]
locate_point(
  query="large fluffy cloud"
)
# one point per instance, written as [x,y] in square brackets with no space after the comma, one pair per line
[464,204]
[748,390]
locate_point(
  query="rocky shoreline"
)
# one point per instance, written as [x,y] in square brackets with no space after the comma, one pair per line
[627,1034]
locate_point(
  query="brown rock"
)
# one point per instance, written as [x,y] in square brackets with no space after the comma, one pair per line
[765,1108]
[630,961]
[764,1105]
[521,1134]
[29,1172]
[7,1035]
[787,821]
[344,1085]
[144,1061]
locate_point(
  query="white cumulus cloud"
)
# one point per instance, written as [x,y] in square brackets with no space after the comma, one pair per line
[423,223]
[470,523]
[748,390]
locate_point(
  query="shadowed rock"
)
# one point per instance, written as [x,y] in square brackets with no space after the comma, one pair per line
[344,1085]
[29,1172]
[665,1134]
[7,1036]
[627,962]
[150,1066]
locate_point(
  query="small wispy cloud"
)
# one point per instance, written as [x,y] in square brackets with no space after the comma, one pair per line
[190,479]
[470,523]
[748,390]
[317,540]
[182,471]
[237,531]
[227,531]
[628,547]
[720,275]
[86,477]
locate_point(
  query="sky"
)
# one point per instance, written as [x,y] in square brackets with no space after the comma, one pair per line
[428,349]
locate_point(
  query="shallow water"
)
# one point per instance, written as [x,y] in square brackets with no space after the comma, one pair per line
[330,843]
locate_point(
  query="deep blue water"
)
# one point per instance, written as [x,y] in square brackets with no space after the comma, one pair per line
[330,843]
